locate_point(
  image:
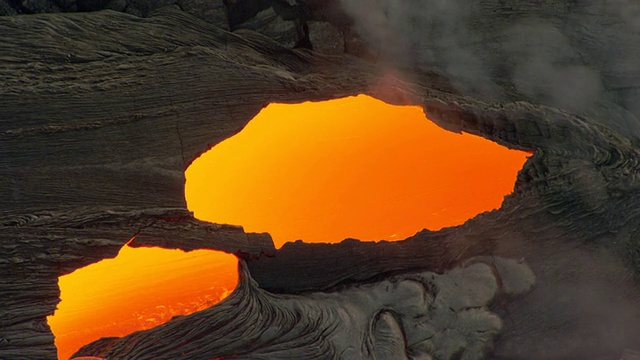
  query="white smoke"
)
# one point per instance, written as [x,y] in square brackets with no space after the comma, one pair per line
[423,34]
[580,57]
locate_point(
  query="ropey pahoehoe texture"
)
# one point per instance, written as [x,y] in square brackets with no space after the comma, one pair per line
[102,112]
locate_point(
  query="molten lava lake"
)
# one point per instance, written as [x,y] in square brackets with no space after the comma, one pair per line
[318,171]
[138,289]
[354,167]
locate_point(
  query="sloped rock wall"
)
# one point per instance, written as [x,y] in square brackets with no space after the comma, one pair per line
[103,111]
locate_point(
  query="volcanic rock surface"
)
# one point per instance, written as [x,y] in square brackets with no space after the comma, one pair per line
[417,315]
[103,111]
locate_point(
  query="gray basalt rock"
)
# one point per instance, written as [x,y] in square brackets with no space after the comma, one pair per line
[67,5]
[91,5]
[269,23]
[211,11]
[326,38]
[117,5]
[241,11]
[143,8]
[419,315]
[6,9]
[39,6]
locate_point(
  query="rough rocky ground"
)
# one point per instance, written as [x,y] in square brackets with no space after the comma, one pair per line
[102,112]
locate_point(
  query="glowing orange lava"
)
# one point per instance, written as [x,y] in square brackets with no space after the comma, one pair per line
[139,289]
[354,167]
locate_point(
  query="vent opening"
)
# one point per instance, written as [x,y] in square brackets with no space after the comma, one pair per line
[138,289]
[354,167]
[318,171]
